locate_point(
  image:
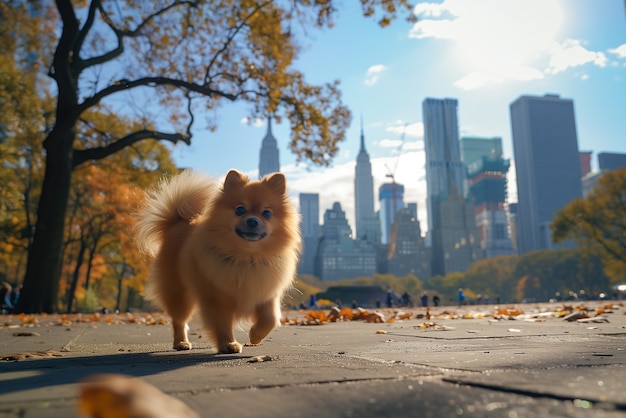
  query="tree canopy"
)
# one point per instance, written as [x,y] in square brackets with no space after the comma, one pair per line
[164,64]
[598,223]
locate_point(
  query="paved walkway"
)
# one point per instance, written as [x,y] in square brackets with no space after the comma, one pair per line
[535,365]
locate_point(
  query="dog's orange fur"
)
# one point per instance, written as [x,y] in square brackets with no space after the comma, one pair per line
[190,226]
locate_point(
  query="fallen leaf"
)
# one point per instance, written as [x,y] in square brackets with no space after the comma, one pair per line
[25,334]
[257,359]
[375,317]
[30,355]
[574,316]
[113,395]
[597,319]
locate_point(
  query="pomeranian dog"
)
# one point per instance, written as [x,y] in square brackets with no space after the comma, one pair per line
[230,251]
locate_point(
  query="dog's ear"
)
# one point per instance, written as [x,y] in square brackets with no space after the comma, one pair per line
[235,179]
[277,182]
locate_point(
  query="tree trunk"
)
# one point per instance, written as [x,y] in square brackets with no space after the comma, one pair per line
[76,275]
[120,281]
[43,269]
[92,253]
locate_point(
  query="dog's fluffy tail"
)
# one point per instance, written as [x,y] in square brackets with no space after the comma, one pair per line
[179,199]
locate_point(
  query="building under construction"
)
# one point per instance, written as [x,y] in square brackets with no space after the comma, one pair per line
[488,193]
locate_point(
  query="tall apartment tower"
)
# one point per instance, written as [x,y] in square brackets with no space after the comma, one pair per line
[444,169]
[310,227]
[451,223]
[268,160]
[547,165]
[367,224]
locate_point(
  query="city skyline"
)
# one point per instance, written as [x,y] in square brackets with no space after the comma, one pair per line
[576,51]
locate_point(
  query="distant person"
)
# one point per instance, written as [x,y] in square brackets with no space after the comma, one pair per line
[389,299]
[406,300]
[5,298]
[424,299]
[15,295]
[436,300]
[461,297]
[312,302]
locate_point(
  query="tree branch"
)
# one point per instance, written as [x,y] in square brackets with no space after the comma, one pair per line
[80,156]
[82,35]
[230,37]
[121,33]
[124,84]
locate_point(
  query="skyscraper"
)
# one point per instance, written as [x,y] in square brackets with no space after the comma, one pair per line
[408,254]
[585,162]
[309,210]
[391,198]
[475,148]
[268,161]
[451,223]
[611,160]
[487,190]
[367,225]
[444,169]
[547,165]
[338,255]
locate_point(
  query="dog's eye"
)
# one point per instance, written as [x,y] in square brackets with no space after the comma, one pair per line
[240,210]
[267,214]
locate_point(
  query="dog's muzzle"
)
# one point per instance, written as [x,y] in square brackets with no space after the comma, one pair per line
[251,229]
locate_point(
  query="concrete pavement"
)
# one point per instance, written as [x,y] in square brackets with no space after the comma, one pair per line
[536,365]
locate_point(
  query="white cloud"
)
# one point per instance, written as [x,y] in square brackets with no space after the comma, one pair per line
[413,146]
[373,74]
[476,80]
[572,54]
[620,51]
[429,9]
[389,143]
[403,144]
[503,41]
[257,123]
[415,130]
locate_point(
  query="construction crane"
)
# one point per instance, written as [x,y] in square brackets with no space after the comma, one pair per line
[391,249]
[392,173]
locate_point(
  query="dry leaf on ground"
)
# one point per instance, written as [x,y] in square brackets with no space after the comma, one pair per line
[119,396]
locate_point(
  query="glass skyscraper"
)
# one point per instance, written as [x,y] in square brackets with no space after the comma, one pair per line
[451,222]
[310,227]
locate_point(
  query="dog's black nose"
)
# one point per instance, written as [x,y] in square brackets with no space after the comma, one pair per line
[253,222]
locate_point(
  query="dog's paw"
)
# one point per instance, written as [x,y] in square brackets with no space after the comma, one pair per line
[182,345]
[232,348]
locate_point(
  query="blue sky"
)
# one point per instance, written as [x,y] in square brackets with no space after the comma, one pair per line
[485,53]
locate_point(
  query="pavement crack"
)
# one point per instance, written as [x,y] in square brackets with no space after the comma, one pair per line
[600,403]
